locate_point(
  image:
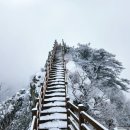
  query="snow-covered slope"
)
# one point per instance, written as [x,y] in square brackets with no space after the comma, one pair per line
[15,112]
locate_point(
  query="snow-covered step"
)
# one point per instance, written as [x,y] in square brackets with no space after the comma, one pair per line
[56,83]
[56,80]
[59,64]
[55,99]
[56,71]
[56,86]
[51,88]
[55,116]
[57,76]
[54,110]
[56,90]
[58,68]
[55,94]
[53,125]
[55,103]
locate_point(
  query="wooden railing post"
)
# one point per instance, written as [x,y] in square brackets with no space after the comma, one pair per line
[81,120]
[34,112]
[68,114]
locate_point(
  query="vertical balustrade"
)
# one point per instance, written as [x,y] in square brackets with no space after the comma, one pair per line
[81,120]
[68,114]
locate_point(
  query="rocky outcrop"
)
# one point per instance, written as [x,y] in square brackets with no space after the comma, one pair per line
[10,109]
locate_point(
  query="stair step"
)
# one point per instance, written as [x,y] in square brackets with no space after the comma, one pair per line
[55,68]
[55,103]
[58,66]
[55,94]
[58,77]
[53,125]
[56,71]
[51,92]
[56,86]
[57,74]
[55,98]
[57,80]
[54,109]
[54,116]
[56,90]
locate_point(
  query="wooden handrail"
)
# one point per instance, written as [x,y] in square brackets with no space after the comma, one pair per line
[73,115]
[72,106]
[34,124]
[77,118]
[92,121]
[73,124]
[37,110]
[85,127]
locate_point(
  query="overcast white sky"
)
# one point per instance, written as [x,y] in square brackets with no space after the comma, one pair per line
[28,29]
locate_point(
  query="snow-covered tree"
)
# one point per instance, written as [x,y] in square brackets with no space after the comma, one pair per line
[101,67]
[102,96]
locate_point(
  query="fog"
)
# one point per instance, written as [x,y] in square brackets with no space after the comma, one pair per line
[28,29]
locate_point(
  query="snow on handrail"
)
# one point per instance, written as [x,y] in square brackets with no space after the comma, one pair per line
[72,105]
[33,123]
[92,121]
[80,117]
[73,124]
[85,127]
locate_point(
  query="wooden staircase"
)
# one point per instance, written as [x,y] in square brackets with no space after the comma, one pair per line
[54,113]
[53,110]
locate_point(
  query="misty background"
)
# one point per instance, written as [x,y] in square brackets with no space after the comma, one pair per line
[28,29]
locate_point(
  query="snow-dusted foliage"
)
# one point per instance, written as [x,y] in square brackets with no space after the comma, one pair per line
[15,112]
[35,85]
[94,80]
[101,67]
